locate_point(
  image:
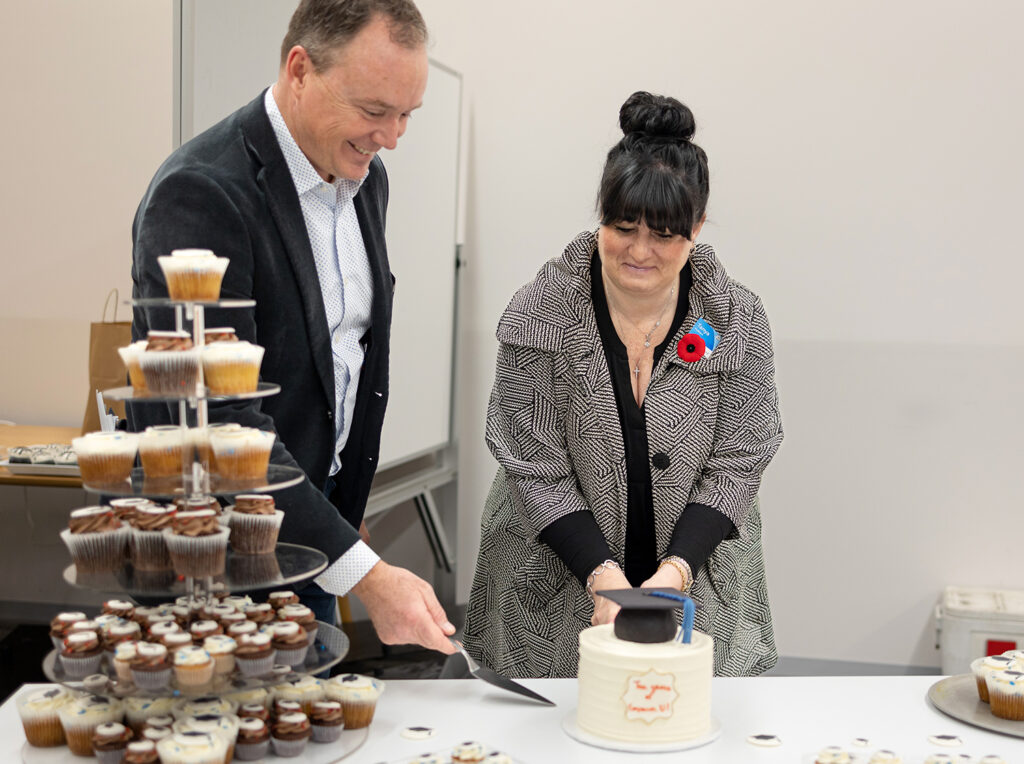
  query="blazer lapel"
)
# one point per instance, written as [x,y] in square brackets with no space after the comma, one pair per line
[279,190]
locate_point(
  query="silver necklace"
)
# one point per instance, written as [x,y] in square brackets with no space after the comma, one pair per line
[647,335]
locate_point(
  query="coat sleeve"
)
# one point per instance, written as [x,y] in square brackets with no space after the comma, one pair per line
[526,434]
[188,208]
[748,431]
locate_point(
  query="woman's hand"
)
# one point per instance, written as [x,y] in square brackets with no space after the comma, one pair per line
[667,576]
[604,609]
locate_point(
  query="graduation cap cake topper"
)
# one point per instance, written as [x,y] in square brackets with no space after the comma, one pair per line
[647,616]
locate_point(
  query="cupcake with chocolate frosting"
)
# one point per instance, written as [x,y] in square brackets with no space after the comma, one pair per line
[254,655]
[289,734]
[253,739]
[170,364]
[151,667]
[61,623]
[147,547]
[141,752]
[327,721]
[197,543]
[96,540]
[81,654]
[254,523]
[109,741]
[289,639]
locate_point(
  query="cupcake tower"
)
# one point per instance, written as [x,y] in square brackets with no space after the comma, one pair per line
[131,671]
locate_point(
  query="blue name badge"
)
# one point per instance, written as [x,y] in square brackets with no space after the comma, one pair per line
[707,333]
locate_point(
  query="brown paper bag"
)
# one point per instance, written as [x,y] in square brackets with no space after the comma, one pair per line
[105,367]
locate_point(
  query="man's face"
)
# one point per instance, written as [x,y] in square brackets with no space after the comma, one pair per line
[344,114]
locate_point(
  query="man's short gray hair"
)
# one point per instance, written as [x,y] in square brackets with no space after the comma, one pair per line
[323,27]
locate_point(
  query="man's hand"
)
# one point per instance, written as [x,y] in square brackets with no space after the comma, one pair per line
[604,609]
[404,609]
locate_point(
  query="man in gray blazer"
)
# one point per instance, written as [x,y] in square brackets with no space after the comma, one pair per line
[291,190]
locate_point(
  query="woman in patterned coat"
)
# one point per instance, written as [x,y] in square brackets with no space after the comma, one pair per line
[626,456]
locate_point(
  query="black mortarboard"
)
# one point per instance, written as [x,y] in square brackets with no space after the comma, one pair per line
[646,614]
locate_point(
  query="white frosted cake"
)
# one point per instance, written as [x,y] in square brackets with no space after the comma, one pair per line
[656,692]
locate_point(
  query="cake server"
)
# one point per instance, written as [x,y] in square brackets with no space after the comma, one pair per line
[493,677]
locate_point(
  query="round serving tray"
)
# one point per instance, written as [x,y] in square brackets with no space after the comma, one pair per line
[167,302]
[957,696]
[278,476]
[315,753]
[288,564]
[128,393]
[330,647]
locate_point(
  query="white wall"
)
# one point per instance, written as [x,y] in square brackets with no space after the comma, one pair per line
[87,119]
[866,168]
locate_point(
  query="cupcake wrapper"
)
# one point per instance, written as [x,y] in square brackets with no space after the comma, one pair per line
[152,680]
[198,281]
[148,550]
[79,731]
[110,757]
[231,377]
[251,751]
[193,676]
[162,462]
[42,728]
[982,689]
[1006,705]
[256,666]
[105,468]
[323,733]
[198,556]
[243,463]
[288,748]
[295,656]
[358,714]
[223,663]
[97,552]
[171,372]
[79,666]
[254,534]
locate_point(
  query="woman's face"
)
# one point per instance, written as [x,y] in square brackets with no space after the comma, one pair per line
[640,261]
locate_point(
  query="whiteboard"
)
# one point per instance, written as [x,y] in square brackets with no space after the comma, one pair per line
[229,51]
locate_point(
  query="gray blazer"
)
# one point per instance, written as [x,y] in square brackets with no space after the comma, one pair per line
[553,426]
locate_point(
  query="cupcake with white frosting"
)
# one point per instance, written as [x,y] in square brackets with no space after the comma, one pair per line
[163,450]
[81,654]
[358,697]
[242,454]
[1006,694]
[982,667]
[139,711]
[40,715]
[83,715]
[105,458]
[193,666]
[193,274]
[253,740]
[130,356]
[223,726]
[231,368]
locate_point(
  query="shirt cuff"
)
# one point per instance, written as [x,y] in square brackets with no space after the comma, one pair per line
[348,570]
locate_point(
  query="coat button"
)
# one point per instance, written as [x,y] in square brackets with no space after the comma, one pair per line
[661,461]
[330,415]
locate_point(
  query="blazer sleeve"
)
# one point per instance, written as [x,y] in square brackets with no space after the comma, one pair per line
[748,431]
[526,434]
[189,208]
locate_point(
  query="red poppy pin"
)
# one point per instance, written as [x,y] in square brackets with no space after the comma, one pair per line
[691,348]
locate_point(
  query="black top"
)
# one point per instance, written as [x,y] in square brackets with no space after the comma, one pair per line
[576,537]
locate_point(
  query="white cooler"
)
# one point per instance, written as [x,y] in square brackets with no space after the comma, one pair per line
[970,623]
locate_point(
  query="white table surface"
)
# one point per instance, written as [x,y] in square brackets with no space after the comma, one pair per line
[808,713]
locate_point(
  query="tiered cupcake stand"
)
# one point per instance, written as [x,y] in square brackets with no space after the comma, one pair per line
[287,565]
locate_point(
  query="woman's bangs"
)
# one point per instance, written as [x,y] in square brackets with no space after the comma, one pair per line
[659,199]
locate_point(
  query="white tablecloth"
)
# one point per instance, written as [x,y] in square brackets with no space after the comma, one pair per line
[808,713]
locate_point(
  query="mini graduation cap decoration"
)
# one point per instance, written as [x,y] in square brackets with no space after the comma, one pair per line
[646,615]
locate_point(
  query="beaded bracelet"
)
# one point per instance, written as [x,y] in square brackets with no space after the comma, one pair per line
[598,571]
[684,570]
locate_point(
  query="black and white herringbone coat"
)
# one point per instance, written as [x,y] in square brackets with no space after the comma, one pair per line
[553,426]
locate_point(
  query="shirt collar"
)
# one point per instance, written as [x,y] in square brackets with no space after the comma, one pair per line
[304,175]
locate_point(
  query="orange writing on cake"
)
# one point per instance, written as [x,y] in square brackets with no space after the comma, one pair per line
[649,696]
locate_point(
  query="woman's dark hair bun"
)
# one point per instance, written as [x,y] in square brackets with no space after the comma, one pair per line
[656,117]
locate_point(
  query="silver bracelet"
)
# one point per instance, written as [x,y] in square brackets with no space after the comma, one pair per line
[598,571]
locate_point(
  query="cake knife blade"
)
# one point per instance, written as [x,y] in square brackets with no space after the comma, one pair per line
[496,679]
